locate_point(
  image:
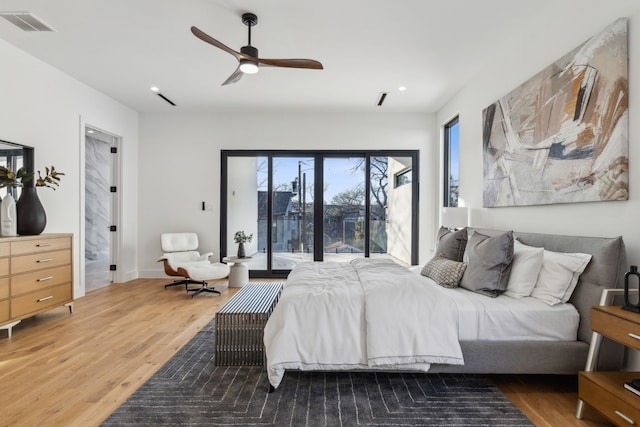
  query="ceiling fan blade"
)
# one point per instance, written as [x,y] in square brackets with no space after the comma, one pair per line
[208,39]
[233,78]
[291,63]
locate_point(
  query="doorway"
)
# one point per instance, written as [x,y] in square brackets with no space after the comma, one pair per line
[101,200]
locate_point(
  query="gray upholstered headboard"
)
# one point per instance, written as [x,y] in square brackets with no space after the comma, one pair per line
[605,270]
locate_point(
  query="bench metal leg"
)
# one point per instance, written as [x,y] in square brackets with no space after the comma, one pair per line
[240,324]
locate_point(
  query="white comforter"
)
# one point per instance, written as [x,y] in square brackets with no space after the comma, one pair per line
[370,313]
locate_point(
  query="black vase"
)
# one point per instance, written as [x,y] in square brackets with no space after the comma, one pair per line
[30,213]
[628,304]
[241,253]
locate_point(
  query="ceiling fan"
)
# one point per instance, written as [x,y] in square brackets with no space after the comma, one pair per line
[248,59]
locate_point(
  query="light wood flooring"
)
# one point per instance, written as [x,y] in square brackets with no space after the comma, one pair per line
[61,369]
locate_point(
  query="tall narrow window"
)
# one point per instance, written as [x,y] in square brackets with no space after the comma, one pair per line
[451,162]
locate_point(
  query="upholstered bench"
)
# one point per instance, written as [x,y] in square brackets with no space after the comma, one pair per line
[240,324]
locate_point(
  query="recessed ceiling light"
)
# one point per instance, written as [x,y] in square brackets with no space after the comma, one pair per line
[402,88]
[90,131]
[155,89]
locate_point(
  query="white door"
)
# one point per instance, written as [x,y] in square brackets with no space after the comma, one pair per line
[100,207]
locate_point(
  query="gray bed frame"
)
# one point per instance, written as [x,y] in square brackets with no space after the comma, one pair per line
[605,271]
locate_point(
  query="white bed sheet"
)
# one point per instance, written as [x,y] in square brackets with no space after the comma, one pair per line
[509,319]
[358,315]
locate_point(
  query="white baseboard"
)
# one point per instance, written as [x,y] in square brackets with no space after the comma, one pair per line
[152,274]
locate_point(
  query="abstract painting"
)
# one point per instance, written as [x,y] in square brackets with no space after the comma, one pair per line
[562,136]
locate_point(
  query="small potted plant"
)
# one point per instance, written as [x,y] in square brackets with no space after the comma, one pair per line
[8,178]
[240,238]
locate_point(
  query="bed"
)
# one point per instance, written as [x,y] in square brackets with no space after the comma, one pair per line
[373,314]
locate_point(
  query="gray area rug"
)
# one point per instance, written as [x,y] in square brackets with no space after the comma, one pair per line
[191,391]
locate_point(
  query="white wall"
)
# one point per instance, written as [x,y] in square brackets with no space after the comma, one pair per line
[44,108]
[180,163]
[547,38]
[398,216]
[243,202]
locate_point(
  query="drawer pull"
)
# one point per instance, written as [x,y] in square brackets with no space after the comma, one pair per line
[45,260]
[44,279]
[45,298]
[624,417]
[634,336]
[42,245]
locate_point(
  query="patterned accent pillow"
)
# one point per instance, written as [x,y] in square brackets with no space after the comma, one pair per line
[443,271]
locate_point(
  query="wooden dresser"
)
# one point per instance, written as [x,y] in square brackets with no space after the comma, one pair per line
[36,274]
[605,390]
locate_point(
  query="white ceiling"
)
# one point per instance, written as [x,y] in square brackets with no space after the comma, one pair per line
[123,47]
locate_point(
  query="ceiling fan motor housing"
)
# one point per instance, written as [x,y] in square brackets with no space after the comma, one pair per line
[250,51]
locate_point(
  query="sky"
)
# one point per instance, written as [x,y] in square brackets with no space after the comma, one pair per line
[455,144]
[338,176]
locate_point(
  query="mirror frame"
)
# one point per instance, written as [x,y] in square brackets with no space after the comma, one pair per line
[28,154]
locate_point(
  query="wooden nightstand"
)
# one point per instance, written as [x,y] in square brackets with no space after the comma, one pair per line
[605,390]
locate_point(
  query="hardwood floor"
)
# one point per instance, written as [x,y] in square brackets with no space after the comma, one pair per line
[61,369]
[548,400]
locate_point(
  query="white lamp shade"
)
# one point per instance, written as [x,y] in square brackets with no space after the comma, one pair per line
[454,217]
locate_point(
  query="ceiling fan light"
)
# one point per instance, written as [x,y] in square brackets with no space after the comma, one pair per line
[248,67]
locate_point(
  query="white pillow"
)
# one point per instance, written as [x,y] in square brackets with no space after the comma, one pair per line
[559,275]
[525,267]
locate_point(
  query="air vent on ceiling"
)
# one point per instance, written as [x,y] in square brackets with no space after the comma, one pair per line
[26,21]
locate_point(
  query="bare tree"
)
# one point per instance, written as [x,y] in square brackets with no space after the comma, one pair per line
[453,191]
[379,168]
[261,170]
[350,200]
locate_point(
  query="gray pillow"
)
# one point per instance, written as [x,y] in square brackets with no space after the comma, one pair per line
[488,262]
[451,243]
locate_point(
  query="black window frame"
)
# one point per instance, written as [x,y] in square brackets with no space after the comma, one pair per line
[398,180]
[446,169]
[318,155]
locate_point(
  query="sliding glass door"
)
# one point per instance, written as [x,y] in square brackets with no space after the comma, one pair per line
[343,208]
[368,206]
[291,211]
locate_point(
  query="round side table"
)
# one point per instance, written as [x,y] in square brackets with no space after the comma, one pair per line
[238,273]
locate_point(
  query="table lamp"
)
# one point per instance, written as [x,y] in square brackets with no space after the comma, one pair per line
[454,217]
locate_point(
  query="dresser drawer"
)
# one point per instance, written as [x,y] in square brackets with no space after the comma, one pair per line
[4,311]
[28,263]
[605,392]
[32,246]
[39,300]
[4,288]
[618,328]
[5,249]
[29,282]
